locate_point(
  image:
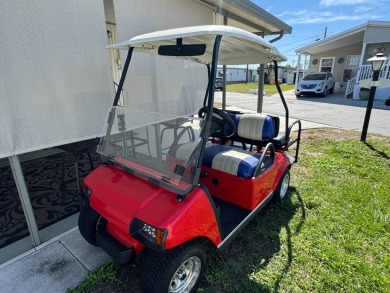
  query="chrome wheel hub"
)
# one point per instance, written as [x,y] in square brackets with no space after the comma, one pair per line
[284,186]
[186,275]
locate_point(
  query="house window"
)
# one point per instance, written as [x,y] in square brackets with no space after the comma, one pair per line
[351,67]
[326,64]
[353,62]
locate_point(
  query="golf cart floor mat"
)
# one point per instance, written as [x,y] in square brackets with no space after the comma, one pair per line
[230,215]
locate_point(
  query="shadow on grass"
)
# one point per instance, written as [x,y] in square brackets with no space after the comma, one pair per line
[379,153]
[289,241]
[241,267]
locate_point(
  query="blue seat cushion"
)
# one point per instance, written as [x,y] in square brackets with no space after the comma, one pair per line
[224,158]
[233,161]
[256,126]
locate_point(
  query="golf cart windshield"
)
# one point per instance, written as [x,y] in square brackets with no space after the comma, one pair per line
[164,150]
[155,134]
[160,99]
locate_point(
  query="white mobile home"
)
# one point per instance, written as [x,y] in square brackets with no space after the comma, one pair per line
[345,55]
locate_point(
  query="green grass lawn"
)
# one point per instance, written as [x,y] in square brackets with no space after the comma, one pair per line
[270,89]
[331,234]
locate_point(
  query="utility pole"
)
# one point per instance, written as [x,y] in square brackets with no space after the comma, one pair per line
[326,29]
[247,73]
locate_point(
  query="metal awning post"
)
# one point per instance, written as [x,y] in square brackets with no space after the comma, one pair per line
[260,88]
[260,92]
[297,71]
[25,201]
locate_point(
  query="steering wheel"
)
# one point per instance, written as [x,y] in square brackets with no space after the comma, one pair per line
[221,123]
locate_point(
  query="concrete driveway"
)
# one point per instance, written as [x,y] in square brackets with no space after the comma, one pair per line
[333,110]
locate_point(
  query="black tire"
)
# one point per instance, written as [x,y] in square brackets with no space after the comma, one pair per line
[325,92]
[283,185]
[88,222]
[331,91]
[160,271]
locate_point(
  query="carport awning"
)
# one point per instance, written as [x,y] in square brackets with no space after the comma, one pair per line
[248,16]
[349,37]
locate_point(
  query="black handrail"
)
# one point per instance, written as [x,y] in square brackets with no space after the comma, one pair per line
[269,147]
[297,140]
[281,97]
[122,80]
[111,114]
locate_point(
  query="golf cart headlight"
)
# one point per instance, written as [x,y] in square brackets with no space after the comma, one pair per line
[150,236]
[86,191]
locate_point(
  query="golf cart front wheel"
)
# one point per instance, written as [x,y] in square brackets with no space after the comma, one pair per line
[283,185]
[88,223]
[175,270]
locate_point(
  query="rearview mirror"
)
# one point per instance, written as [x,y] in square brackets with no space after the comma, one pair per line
[183,50]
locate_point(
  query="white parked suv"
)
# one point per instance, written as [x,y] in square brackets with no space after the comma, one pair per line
[320,83]
[219,83]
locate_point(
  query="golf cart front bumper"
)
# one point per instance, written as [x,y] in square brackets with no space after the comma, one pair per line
[118,252]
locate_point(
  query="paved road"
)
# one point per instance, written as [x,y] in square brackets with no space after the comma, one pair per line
[333,110]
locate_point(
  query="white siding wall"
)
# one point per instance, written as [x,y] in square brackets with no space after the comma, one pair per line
[114,57]
[343,52]
[371,50]
[236,74]
[145,84]
[142,16]
[54,74]
[377,35]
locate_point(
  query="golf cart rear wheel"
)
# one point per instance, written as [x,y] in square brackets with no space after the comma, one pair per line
[283,185]
[175,270]
[88,222]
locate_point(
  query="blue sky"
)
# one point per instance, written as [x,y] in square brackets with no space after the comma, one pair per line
[308,19]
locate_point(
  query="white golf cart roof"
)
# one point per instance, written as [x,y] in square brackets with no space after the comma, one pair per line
[237,46]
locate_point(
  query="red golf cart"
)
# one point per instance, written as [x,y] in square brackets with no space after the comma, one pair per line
[178,174]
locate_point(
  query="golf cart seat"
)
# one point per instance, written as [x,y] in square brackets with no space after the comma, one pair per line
[255,129]
[237,162]
[225,168]
[227,159]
